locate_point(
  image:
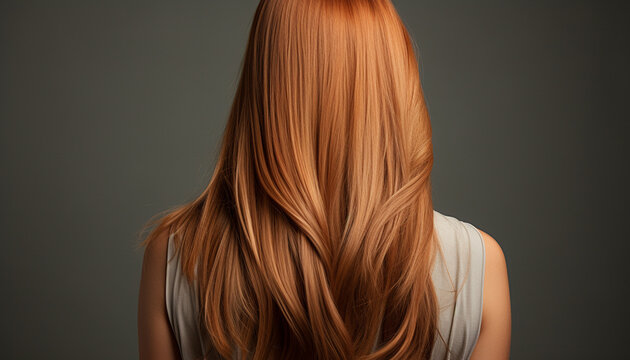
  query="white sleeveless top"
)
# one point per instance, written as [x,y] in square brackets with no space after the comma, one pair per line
[461,268]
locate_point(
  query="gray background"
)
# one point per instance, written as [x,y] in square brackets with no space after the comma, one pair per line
[111,111]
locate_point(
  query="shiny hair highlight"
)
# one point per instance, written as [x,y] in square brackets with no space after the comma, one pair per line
[316,227]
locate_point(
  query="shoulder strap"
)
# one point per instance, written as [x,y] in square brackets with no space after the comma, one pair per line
[458,280]
[182,307]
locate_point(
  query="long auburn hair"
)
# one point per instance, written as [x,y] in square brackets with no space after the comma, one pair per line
[316,227]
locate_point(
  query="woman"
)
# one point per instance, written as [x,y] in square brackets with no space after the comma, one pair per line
[316,237]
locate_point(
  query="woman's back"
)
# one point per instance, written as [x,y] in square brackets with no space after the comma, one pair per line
[458,277]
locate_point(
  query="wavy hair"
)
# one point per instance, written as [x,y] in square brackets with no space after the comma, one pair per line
[314,238]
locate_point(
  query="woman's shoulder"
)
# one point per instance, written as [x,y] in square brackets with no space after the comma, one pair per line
[470,277]
[455,231]
[458,238]
[464,241]
[155,339]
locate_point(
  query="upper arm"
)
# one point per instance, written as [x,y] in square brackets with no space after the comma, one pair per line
[155,338]
[495,335]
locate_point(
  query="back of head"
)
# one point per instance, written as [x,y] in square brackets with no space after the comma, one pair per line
[316,228]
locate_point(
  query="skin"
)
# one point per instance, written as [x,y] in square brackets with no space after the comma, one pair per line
[495,336]
[156,340]
[155,337]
